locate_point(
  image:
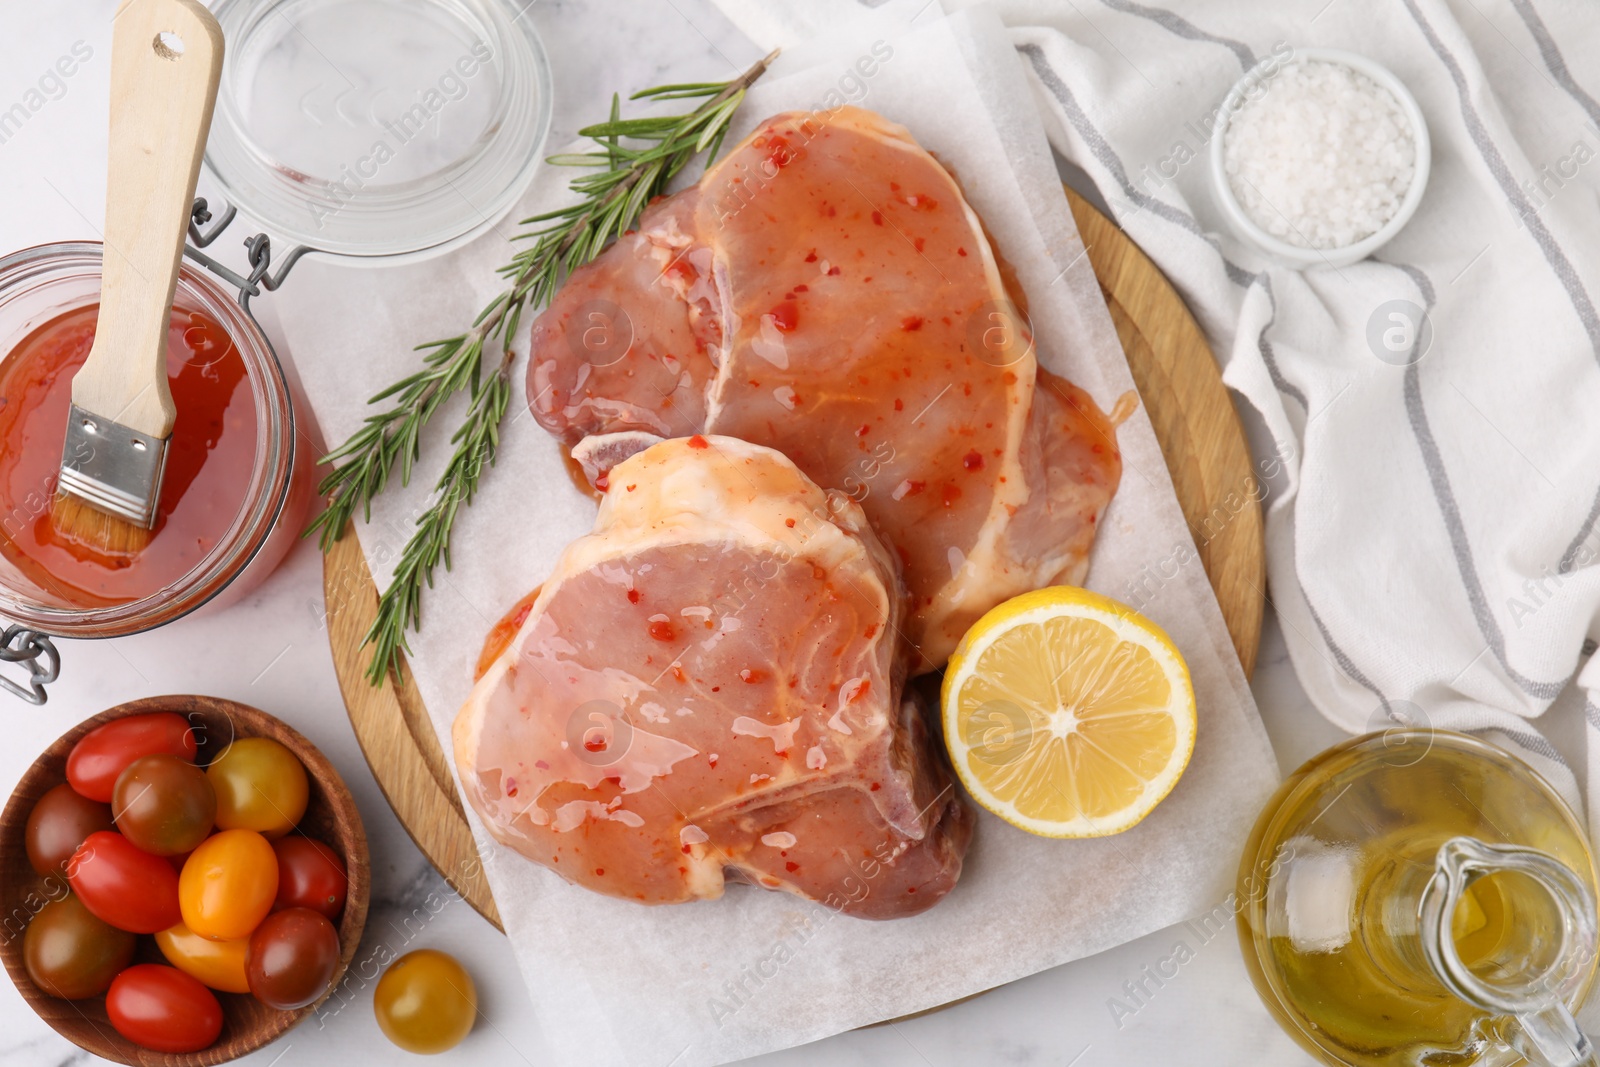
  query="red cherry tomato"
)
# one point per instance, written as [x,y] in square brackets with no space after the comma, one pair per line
[291,959]
[58,824]
[104,752]
[310,875]
[162,1009]
[131,890]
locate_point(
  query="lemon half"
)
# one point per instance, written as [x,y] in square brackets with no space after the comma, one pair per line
[1068,714]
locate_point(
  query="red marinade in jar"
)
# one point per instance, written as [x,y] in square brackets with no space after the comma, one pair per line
[210,457]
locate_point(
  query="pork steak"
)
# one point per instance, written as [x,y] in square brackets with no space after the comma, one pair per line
[711,686]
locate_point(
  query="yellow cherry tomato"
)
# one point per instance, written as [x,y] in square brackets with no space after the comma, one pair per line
[228,885]
[260,786]
[425,1002]
[218,964]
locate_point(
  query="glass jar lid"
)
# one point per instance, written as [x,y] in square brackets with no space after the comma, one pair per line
[378,128]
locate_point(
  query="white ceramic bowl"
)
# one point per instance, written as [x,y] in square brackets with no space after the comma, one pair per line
[1278,249]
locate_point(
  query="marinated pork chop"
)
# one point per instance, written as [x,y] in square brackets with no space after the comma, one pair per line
[710,686]
[826,290]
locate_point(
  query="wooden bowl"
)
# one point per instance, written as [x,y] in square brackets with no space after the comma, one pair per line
[247,1024]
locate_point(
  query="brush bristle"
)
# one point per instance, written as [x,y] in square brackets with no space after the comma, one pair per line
[81,523]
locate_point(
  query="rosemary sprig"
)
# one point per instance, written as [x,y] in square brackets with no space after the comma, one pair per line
[476,441]
[635,161]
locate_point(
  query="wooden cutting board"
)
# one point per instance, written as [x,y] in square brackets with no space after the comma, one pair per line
[1194,420]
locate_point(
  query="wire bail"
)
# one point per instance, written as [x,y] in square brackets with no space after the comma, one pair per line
[258,252]
[38,654]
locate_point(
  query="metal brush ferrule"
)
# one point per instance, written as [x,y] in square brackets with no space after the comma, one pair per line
[112,468]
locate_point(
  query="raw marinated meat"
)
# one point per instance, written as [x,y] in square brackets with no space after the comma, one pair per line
[710,686]
[827,291]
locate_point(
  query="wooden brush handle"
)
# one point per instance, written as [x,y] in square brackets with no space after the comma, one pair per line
[161,101]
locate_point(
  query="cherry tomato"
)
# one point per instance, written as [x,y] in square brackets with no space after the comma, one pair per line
[218,964]
[260,786]
[71,954]
[58,824]
[426,1002]
[102,753]
[228,885]
[163,1009]
[130,889]
[164,804]
[310,875]
[292,958]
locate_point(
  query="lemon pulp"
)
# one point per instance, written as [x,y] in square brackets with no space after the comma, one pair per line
[1068,714]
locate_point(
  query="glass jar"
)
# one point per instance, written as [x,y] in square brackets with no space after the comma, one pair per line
[40,284]
[369,131]
[378,129]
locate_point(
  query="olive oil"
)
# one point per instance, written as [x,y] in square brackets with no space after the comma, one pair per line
[1332,880]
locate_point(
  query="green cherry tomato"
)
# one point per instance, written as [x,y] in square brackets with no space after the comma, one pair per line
[58,824]
[71,954]
[260,786]
[163,804]
[426,1002]
[162,1009]
[292,958]
[102,753]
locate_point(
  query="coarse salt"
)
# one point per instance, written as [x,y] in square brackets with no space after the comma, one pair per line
[1322,158]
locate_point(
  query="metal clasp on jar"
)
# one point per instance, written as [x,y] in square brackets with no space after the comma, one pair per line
[34,650]
[38,654]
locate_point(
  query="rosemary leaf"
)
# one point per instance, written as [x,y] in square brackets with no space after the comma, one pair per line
[674,92]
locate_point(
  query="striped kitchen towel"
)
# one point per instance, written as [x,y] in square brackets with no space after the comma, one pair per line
[1426,423]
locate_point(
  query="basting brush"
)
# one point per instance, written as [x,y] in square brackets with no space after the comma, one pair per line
[166,61]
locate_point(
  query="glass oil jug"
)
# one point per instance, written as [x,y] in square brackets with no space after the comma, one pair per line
[1421,897]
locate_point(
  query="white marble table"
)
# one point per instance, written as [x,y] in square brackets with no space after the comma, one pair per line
[272,651]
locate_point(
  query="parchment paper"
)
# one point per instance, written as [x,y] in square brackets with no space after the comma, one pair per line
[616,983]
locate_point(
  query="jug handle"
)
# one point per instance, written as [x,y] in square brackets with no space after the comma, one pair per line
[1545,1031]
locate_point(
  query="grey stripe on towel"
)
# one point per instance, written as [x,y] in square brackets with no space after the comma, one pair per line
[1502,175]
[1554,61]
[1564,271]
[1182,27]
[1113,164]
